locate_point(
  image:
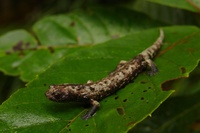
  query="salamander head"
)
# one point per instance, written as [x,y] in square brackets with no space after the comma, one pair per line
[58,93]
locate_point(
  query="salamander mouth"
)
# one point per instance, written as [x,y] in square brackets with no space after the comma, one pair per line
[57,96]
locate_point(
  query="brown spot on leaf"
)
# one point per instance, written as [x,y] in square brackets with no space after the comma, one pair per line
[120,111]
[27,45]
[130,123]
[115,36]
[191,50]
[18,46]
[72,24]
[69,123]
[51,49]
[8,52]
[196,126]
[183,70]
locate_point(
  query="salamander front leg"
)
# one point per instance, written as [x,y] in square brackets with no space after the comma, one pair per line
[89,81]
[121,63]
[153,68]
[92,111]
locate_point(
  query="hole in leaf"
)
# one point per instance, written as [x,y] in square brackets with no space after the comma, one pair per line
[69,123]
[8,52]
[116,97]
[87,125]
[149,87]
[144,90]
[168,85]
[143,82]
[130,123]
[124,100]
[142,98]
[120,111]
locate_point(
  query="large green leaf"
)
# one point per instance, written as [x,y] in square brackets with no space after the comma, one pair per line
[55,35]
[178,114]
[183,4]
[29,110]
[195,4]
[167,14]
[181,85]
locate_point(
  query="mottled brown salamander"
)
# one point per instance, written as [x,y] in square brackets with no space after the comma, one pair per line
[92,92]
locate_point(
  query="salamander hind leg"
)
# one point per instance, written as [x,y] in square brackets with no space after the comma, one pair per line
[95,105]
[153,68]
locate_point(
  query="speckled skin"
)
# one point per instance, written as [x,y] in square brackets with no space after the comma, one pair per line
[92,92]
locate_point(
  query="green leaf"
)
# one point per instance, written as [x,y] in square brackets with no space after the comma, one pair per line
[11,42]
[56,35]
[181,85]
[90,27]
[19,53]
[167,14]
[183,4]
[178,114]
[195,4]
[29,110]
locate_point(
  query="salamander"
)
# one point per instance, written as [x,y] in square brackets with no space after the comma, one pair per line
[93,92]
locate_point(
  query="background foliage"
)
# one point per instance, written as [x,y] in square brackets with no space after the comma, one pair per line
[55,42]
